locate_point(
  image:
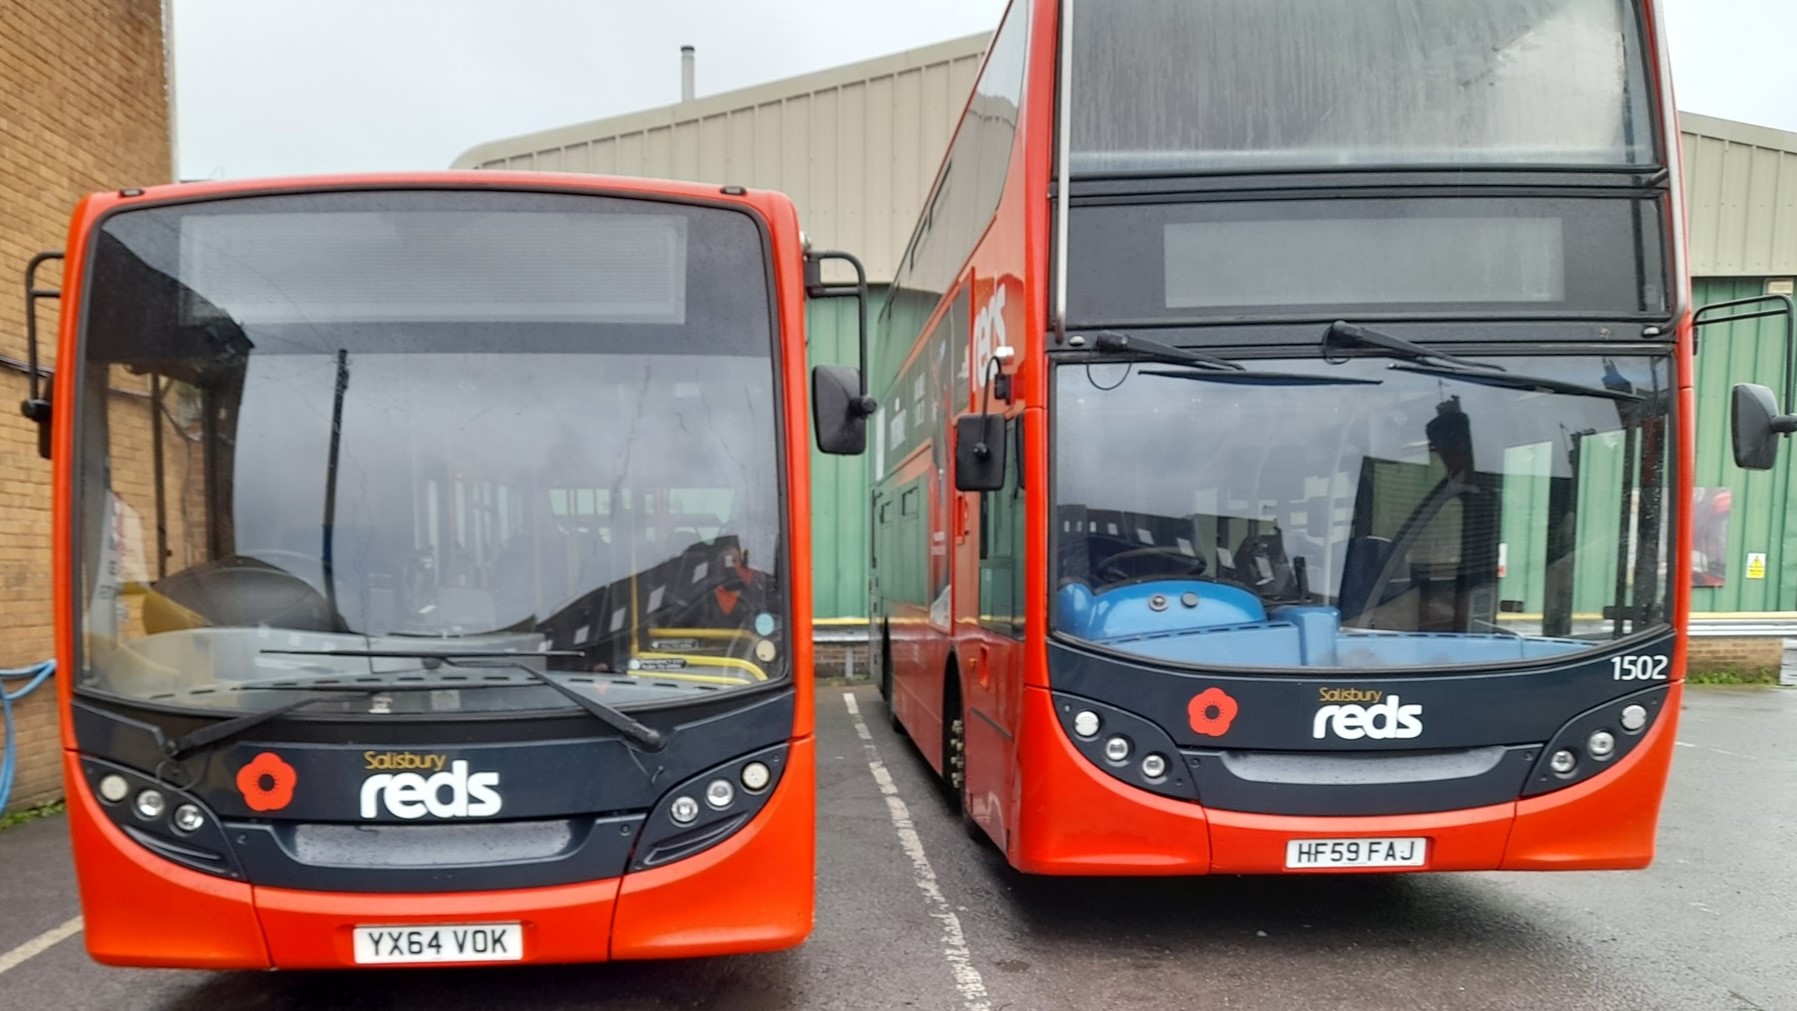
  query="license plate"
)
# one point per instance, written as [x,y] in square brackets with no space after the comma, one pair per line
[1307,853]
[440,942]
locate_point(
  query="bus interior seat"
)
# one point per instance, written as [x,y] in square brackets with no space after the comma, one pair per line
[1262,566]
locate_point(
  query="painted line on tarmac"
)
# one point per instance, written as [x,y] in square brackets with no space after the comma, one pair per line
[954,942]
[40,944]
[1705,747]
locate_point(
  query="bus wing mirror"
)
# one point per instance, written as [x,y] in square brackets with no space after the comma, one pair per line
[1757,427]
[839,399]
[37,404]
[839,410]
[980,452]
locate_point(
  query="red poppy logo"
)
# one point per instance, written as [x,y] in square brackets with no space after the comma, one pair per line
[1211,712]
[267,782]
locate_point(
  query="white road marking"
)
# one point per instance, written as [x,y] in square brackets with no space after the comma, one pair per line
[855,711]
[1705,747]
[954,942]
[40,944]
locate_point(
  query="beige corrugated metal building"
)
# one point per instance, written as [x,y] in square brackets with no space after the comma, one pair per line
[1741,184]
[857,147]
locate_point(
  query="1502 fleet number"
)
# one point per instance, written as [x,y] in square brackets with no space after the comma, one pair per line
[1639,668]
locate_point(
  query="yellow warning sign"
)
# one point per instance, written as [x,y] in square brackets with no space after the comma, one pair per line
[1756,565]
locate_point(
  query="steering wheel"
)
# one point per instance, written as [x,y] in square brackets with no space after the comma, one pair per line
[1111,571]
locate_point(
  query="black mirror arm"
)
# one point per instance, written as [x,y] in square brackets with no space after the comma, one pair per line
[1785,306]
[863,405]
[36,406]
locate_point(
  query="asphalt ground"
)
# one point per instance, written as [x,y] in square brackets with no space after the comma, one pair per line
[914,914]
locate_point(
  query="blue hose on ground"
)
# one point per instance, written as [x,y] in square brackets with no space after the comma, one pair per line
[34,678]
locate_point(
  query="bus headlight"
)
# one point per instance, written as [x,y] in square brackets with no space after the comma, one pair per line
[150,804]
[756,776]
[113,788]
[1563,762]
[719,793]
[1634,717]
[684,810]
[1154,766]
[1601,744]
[1117,748]
[1085,724]
[189,818]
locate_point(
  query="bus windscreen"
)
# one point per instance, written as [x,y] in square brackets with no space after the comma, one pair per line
[402,422]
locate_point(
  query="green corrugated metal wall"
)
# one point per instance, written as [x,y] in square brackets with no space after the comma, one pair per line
[1733,353]
[1753,351]
[838,483]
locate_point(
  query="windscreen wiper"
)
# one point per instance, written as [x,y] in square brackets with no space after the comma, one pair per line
[644,737]
[224,730]
[1342,334]
[1255,377]
[1210,368]
[1512,381]
[1445,366]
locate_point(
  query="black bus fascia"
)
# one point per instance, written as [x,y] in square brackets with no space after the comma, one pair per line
[187,719]
[607,818]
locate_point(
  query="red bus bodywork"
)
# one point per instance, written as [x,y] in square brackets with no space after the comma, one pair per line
[751,892]
[1048,808]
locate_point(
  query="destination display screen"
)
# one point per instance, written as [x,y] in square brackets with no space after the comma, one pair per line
[1536,256]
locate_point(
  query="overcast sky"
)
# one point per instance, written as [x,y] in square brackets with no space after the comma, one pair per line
[267,87]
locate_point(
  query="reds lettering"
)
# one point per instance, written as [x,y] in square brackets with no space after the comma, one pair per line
[988,333]
[451,794]
[1381,721]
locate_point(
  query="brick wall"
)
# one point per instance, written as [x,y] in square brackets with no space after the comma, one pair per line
[1752,658]
[832,652]
[83,107]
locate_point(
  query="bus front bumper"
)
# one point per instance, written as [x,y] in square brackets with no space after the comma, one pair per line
[1074,819]
[751,892]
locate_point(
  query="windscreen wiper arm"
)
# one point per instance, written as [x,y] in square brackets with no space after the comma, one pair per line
[1342,334]
[224,730]
[644,737]
[1112,342]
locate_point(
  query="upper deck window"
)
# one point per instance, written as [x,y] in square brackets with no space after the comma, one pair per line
[1251,85]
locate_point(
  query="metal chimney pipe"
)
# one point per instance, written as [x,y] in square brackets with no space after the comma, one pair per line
[686,73]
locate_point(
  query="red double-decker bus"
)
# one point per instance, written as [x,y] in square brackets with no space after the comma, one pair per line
[1286,430]
[433,572]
